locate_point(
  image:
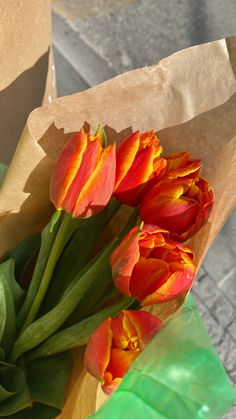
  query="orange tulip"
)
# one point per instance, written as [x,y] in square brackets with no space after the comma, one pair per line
[83,179]
[138,164]
[116,343]
[180,201]
[150,267]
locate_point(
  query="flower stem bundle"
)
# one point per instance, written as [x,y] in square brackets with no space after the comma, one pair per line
[88,287]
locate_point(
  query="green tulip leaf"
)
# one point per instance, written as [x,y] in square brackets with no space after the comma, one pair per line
[17,292]
[23,254]
[8,321]
[78,334]
[38,411]
[48,379]
[93,295]
[14,392]
[2,354]
[11,379]
[3,310]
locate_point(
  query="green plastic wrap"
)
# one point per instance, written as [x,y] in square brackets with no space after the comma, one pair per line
[178,376]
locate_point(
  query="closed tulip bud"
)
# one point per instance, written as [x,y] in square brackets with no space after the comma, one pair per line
[116,343]
[138,165]
[151,267]
[83,179]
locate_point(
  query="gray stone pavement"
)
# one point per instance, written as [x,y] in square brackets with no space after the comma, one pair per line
[95,40]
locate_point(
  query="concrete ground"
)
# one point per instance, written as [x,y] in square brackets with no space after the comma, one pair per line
[95,40]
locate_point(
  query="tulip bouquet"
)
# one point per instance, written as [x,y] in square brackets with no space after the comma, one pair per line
[104,230]
[76,285]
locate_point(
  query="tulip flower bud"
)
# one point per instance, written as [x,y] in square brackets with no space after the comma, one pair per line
[150,267]
[138,165]
[116,343]
[180,201]
[181,206]
[83,179]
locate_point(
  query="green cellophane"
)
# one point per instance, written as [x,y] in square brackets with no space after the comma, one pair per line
[178,376]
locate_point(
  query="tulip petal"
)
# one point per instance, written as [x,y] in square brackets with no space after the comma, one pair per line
[123,259]
[150,230]
[133,184]
[125,156]
[120,361]
[193,169]
[112,386]
[179,165]
[177,160]
[99,187]
[207,193]
[184,248]
[66,167]
[146,325]
[150,138]
[147,138]
[88,164]
[138,165]
[150,237]
[174,189]
[205,198]
[177,216]
[148,275]
[123,332]
[178,283]
[159,165]
[97,354]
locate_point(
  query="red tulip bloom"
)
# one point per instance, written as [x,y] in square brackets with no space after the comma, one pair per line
[151,267]
[180,201]
[138,164]
[83,179]
[116,343]
[181,206]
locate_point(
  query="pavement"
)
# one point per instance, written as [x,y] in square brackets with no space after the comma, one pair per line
[95,40]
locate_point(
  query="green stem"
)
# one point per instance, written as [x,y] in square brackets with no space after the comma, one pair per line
[47,325]
[62,237]
[77,253]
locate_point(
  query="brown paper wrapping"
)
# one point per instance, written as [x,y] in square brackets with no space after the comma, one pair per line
[188,98]
[26,66]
